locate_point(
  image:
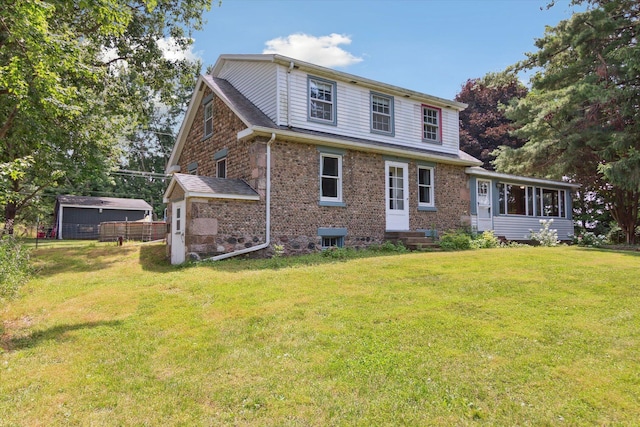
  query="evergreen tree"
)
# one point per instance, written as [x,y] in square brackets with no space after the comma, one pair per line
[581,118]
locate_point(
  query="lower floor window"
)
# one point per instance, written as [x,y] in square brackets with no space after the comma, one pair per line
[332,242]
[425,186]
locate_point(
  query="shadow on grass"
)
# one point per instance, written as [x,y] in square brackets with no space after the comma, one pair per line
[633,251]
[294,261]
[9,343]
[153,258]
[55,260]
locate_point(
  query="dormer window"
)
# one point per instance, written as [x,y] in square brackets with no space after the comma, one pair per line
[431,127]
[322,100]
[381,113]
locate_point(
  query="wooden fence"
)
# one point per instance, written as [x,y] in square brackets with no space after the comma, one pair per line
[143,231]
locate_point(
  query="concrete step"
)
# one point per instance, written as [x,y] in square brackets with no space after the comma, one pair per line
[412,240]
[398,234]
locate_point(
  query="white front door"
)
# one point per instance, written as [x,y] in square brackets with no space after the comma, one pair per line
[177,232]
[483,198]
[397,196]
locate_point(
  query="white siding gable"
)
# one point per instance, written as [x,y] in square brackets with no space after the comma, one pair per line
[257,81]
[268,85]
[354,116]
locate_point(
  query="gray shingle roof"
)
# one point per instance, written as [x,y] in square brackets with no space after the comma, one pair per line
[240,103]
[104,202]
[207,185]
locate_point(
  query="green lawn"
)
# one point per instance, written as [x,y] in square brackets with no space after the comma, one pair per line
[110,335]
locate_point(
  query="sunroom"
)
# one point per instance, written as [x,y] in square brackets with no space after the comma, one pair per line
[513,205]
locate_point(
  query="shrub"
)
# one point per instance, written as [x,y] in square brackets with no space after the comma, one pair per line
[546,236]
[338,253]
[485,240]
[15,268]
[617,237]
[455,240]
[590,239]
[389,247]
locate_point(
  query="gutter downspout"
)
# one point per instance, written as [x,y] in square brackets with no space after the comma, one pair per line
[289,94]
[268,215]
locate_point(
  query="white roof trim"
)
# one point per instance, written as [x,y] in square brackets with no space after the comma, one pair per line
[189,116]
[219,196]
[65,205]
[195,194]
[338,142]
[339,75]
[477,171]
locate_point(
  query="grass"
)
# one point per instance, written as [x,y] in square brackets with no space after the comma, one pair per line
[110,335]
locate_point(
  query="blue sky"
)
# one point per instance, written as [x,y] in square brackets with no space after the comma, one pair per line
[431,46]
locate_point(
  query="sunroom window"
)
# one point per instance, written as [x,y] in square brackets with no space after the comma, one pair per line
[514,199]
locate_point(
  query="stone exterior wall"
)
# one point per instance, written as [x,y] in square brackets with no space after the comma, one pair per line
[452,199]
[226,126]
[215,226]
[296,213]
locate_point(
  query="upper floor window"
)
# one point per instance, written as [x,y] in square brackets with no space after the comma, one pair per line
[221,168]
[330,178]
[192,168]
[425,186]
[431,128]
[208,119]
[381,113]
[220,157]
[322,100]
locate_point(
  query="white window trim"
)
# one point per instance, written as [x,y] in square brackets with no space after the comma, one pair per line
[337,199]
[220,160]
[538,201]
[334,110]
[390,115]
[431,170]
[438,126]
[339,242]
[207,106]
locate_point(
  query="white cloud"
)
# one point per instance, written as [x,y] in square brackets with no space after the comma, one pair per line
[324,50]
[173,52]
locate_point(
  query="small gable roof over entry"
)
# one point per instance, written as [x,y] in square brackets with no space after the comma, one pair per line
[210,187]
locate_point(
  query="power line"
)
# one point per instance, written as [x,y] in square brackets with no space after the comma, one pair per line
[145,174]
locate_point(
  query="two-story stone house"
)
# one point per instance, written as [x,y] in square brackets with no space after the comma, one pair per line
[274,150]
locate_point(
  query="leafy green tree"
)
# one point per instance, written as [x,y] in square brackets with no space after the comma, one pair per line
[581,118]
[74,78]
[483,124]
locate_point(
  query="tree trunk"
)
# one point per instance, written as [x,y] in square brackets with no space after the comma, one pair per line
[10,210]
[625,212]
